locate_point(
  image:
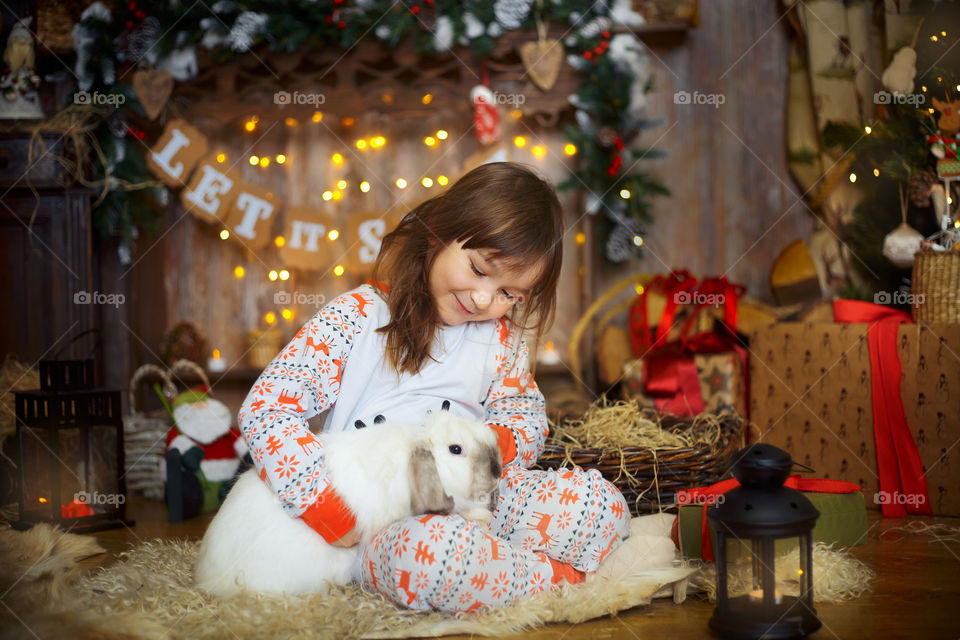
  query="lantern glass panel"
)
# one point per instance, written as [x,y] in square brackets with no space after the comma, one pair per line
[746,566]
[35,457]
[103,464]
[748,569]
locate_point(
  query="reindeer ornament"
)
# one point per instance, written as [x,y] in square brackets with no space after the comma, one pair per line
[943,144]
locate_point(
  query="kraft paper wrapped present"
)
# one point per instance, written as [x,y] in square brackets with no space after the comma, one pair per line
[811,394]
[842,521]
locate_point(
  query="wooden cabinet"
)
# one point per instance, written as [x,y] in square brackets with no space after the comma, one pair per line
[47,265]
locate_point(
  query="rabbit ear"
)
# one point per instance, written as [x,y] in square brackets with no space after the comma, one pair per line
[426,491]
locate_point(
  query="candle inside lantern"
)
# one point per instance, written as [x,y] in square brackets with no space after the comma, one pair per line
[549,354]
[757,594]
[216,364]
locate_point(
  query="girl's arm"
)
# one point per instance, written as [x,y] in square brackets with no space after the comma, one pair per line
[302,381]
[515,408]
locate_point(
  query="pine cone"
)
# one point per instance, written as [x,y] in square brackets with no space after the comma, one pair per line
[620,244]
[511,13]
[918,188]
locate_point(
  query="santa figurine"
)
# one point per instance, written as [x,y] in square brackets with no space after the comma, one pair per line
[204,454]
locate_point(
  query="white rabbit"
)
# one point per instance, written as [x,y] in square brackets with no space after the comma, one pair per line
[383,473]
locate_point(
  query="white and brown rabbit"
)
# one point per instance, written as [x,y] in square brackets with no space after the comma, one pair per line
[384,473]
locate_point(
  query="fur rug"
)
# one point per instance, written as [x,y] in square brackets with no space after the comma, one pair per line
[148,593]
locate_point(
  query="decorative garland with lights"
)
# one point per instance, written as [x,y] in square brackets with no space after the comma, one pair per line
[609,103]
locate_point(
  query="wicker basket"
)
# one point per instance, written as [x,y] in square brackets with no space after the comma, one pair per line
[649,478]
[936,287]
[145,434]
[144,437]
[263,347]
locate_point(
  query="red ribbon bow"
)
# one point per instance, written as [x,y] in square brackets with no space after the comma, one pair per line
[708,496]
[669,371]
[678,282]
[899,466]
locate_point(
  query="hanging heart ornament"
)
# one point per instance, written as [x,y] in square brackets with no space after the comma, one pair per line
[542,60]
[153,89]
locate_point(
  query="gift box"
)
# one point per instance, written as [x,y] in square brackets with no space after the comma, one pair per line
[692,374]
[811,393]
[842,521]
[719,377]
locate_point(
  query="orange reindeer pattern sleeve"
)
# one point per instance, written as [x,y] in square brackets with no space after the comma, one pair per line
[302,381]
[515,408]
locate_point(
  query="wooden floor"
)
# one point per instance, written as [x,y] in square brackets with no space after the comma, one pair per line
[917,591]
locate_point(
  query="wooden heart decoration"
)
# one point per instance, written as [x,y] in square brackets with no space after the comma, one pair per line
[542,60]
[153,89]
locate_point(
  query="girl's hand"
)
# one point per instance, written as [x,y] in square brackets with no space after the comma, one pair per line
[349,539]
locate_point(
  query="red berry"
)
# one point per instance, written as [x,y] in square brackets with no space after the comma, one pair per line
[605,34]
[598,50]
[140,15]
[414,9]
[604,45]
[428,1]
[587,54]
[337,1]
[329,19]
[341,25]
[140,135]
[132,5]
[129,24]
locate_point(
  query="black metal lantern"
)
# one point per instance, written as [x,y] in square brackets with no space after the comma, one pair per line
[70,438]
[751,519]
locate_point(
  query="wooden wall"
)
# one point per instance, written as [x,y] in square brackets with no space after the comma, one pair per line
[732,207]
[731,211]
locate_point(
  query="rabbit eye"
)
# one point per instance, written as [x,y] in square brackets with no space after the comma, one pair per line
[455,449]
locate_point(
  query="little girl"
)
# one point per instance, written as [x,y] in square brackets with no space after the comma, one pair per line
[457,283]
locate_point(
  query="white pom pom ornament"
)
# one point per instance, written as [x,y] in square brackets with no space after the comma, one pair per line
[900,245]
[904,241]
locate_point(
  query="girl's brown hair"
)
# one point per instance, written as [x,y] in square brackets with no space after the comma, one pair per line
[501,207]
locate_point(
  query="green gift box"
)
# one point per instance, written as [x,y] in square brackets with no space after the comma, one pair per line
[842,521]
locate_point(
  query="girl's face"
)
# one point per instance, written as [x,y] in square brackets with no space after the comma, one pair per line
[469,285]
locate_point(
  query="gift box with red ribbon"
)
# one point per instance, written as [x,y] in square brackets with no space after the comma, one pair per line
[695,373]
[842,521]
[865,399]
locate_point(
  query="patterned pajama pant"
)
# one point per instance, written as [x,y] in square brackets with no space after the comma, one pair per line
[548,526]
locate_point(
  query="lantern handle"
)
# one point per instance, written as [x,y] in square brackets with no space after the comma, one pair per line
[96,344]
[803,466]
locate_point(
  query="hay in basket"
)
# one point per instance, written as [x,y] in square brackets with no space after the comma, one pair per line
[648,456]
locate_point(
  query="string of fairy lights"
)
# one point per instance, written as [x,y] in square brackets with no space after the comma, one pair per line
[339,190]
[940,39]
[867,130]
